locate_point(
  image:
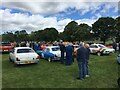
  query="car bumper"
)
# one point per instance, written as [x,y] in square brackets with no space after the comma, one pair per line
[26,62]
[110,52]
[56,58]
[4,50]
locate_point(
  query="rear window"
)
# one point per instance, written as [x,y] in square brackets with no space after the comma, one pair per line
[24,51]
[56,49]
[5,44]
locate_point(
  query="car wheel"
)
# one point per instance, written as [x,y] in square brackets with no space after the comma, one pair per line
[10,59]
[99,54]
[49,59]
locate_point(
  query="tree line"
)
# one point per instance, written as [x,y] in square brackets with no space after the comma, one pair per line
[103,29]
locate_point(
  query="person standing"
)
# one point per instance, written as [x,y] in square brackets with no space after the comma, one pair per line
[62,49]
[119,46]
[87,60]
[115,46]
[81,59]
[69,54]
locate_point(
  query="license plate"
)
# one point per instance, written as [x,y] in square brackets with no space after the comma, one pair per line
[5,50]
[28,62]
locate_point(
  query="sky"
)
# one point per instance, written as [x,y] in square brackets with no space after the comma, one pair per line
[40,14]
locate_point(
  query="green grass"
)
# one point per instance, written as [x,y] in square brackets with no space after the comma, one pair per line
[103,74]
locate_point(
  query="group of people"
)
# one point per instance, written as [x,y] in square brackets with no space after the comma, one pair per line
[67,48]
[82,58]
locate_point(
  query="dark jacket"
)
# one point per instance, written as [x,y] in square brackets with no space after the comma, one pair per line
[119,46]
[62,48]
[87,53]
[81,55]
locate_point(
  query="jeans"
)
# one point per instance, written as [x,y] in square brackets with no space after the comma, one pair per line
[81,67]
[86,69]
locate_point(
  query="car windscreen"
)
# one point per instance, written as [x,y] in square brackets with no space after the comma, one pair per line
[5,44]
[102,46]
[56,49]
[24,51]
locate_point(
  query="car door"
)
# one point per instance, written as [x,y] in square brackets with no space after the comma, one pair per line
[12,54]
[46,52]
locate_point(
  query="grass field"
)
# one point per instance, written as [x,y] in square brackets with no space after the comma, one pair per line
[103,74]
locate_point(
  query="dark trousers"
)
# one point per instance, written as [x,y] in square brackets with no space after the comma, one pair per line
[86,69]
[81,67]
[62,58]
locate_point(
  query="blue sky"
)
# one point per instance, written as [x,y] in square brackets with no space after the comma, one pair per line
[35,16]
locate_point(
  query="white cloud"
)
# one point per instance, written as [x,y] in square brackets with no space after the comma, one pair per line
[18,21]
[86,21]
[55,7]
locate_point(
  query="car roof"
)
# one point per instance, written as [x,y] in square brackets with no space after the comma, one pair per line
[96,44]
[51,46]
[22,48]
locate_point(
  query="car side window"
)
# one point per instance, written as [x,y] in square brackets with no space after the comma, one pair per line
[92,46]
[96,46]
[47,50]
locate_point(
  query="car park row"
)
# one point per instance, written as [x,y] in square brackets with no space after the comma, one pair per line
[49,52]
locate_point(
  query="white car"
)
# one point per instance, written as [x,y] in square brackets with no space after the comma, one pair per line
[23,55]
[51,53]
[100,49]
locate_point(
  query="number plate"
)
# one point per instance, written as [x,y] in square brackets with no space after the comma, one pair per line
[5,50]
[28,62]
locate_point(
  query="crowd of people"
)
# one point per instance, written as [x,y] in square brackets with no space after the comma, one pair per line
[67,48]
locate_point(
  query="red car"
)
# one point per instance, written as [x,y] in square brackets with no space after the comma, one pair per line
[5,47]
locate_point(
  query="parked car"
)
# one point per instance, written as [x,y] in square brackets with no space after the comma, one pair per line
[5,47]
[50,53]
[118,59]
[23,55]
[100,49]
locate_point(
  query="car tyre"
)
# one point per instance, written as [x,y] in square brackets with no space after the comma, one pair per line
[99,54]
[10,59]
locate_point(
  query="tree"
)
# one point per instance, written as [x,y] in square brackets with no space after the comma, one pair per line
[48,34]
[21,36]
[69,30]
[117,28]
[82,33]
[8,37]
[104,28]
